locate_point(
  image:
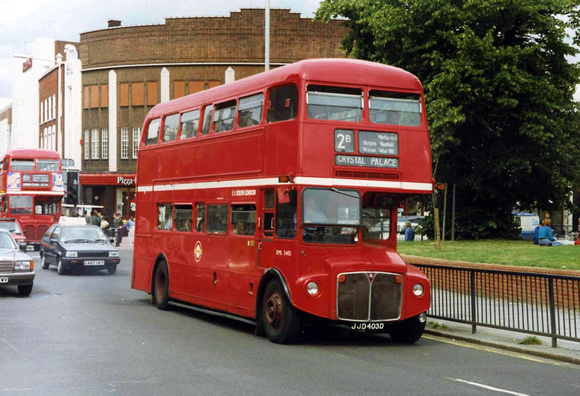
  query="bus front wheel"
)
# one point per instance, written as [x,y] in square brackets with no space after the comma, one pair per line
[409,330]
[281,321]
[161,287]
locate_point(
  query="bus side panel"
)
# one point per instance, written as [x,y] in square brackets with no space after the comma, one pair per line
[143,253]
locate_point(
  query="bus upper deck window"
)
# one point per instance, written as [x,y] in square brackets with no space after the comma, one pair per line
[206,119]
[22,165]
[282,103]
[153,131]
[43,165]
[224,115]
[170,128]
[189,124]
[395,108]
[250,110]
[334,103]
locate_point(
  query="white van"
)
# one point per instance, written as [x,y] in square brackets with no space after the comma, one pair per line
[528,223]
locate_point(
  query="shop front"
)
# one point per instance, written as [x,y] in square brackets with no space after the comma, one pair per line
[114,192]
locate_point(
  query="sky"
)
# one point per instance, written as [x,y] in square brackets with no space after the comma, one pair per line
[23,22]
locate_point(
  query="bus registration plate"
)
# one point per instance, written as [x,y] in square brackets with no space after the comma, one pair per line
[367,326]
[95,262]
[4,280]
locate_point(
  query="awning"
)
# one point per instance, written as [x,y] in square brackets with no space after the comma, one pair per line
[107,179]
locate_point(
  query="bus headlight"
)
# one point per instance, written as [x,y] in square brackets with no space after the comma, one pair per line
[418,290]
[71,254]
[312,288]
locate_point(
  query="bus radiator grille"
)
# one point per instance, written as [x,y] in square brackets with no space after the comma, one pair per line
[369,296]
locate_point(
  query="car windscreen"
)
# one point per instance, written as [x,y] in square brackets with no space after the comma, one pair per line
[82,235]
[6,241]
[12,227]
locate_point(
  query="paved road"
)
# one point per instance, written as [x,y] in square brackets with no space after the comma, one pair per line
[92,335]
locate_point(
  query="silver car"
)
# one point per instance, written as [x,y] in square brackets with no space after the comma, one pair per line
[16,267]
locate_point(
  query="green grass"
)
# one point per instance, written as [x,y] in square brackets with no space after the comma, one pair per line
[516,253]
[531,340]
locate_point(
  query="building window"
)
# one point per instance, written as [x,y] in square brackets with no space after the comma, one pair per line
[46,110]
[41,112]
[53,138]
[53,107]
[105,143]
[136,138]
[95,144]
[124,143]
[87,144]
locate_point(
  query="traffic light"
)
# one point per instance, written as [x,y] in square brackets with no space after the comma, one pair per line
[72,187]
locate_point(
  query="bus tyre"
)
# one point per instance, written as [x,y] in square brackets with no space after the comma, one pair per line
[281,321]
[24,290]
[45,265]
[408,331]
[60,267]
[161,287]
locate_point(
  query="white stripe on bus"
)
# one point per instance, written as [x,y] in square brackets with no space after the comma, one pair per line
[314,181]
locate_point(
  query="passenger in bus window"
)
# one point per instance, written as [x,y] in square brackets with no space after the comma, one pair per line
[187,225]
[240,228]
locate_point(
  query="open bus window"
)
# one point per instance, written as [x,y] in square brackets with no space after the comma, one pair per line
[21,204]
[224,115]
[334,103]
[330,215]
[376,223]
[200,217]
[286,213]
[152,132]
[164,220]
[182,217]
[250,110]
[170,128]
[22,165]
[47,205]
[217,219]
[189,124]
[206,119]
[395,108]
[44,165]
[282,103]
[244,219]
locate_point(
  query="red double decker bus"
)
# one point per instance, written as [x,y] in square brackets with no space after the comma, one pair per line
[31,190]
[273,199]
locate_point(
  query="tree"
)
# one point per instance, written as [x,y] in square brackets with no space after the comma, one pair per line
[498,89]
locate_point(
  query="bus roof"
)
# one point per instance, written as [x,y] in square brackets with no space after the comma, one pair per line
[345,71]
[26,153]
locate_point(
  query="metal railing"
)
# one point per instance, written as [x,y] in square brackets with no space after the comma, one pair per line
[538,304]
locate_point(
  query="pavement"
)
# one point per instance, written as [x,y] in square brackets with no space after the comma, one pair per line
[566,351]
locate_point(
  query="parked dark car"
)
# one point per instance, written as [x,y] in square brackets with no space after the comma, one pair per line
[16,267]
[14,228]
[78,246]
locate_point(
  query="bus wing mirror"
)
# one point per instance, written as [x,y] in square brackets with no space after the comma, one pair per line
[283,195]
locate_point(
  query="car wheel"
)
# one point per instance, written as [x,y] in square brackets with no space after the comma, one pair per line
[112,269]
[24,290]
[60,267]
[161,287]
[281,321]
[45,265]
[408,331]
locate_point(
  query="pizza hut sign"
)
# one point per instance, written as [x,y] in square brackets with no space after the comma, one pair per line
[27,65]
[125,182]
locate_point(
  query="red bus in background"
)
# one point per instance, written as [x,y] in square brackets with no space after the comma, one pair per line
[31,190]
[273,199]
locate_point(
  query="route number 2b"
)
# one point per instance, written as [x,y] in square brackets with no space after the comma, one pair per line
[344,141]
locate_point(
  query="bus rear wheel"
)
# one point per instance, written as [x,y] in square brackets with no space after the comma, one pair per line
[409,330]
[281,321]
[161,287]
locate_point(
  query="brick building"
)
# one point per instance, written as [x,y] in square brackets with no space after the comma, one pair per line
[128,70]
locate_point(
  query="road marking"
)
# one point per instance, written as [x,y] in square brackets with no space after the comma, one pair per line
[490,387]
[487,349]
